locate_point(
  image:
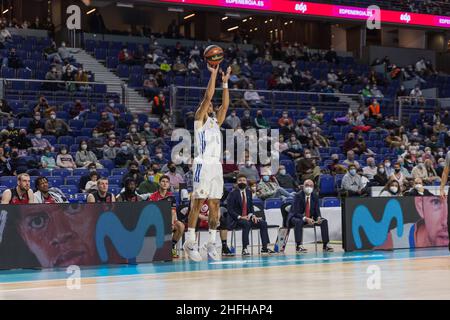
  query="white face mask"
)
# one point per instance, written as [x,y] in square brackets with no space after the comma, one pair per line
[393,189]
[308,190]
[353,172]
[53,116]
[282,172]
[418,187]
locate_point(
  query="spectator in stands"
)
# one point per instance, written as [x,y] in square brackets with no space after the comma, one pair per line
[425,171]
[399,176]
[12,60]
[314,118]
[96,143]
[366,92]
[375,92]
[417,96]
[110,150]
[421,67]
[148,185]
[305,210]
[78,110]
[173,30]
[125,57]
[22,142]
[56,127]
[179,68]
[175,177]
[150,87]
[335,167]
[48,160]
[249,169]
[82,77]
[351,160]
[307,169]
[349,143]
[129,194]
[352,184]
[374,109]
[5,167]
[381,178]
[268,187]
[260,121]
[391,189]
[193,68]
[252,97]
[87,177]
[84,157]
[105,125]
[5,36]
[5,109]
[415,136]
[39,143]
[166,127]
[133,173]
[91,185]
[21,194]
[247,122]
[165,67]
[43,107]
[158,104]
[124,156]
[68,78]
[150,66]
[44,194]
[229,168]
[439,127]
[285,180]
[101,195]
[241,215]
[64,159]
[285,120]
[371,169]
[418,189]
[64,52]
[294,148]
[233,121]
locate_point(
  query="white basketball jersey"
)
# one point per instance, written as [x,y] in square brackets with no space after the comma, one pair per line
[208,141]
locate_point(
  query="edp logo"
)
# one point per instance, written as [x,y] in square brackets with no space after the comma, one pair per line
[73,282]
[374,20]
[374,280]
[301,7]
[405,17]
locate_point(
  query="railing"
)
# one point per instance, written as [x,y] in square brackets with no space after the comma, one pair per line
[183,96]
[57,89]
[407,106]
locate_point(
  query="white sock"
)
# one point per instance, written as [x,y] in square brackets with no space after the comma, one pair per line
[191,235]
[212,236]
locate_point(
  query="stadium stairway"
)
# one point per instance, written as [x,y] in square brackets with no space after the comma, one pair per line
[135,103]
[351,101]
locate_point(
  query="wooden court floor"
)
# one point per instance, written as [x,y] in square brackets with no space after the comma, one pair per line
[420,274]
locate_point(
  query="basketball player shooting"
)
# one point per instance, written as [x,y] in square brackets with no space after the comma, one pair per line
[207,166]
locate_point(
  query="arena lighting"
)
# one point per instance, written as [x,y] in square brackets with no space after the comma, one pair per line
[233,28]
[175,9]
[5,11]
[91,11]
[233,15]
[224,18]
[125,5]
[189,16]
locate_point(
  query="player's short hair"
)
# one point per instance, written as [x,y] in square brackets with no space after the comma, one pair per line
[20,176]
[38,181]
[101,179]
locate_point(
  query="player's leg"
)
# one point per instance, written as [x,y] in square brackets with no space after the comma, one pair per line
[213,220]
[190,245]
[178,230]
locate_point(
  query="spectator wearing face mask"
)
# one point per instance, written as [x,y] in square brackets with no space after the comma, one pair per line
[285,180]
[56,127]
[440,167]
[415,137]
[335,167]
[352,184]
[314,117]
[133,174]
[391,189]
[110,150]
[307,169]
[380,178]
[393,140]
[351,160]
[174,177]
[398,176]
[260,121]
[39,143]
[249,170]
[22,142]
[158,104]
[84,157]
[64,160]
[268,188]
[105,124]
[418,189]
[294,150]
[247,122]
[124,156]
[148,186]
[233,121]
[48,160]
[11,131]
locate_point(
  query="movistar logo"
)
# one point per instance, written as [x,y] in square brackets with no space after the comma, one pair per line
[128,243]
[376,232]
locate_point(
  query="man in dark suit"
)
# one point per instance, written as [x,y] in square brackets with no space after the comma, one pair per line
[241,215]
[306,210]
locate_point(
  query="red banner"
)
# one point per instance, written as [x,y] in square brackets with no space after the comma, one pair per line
[324,10]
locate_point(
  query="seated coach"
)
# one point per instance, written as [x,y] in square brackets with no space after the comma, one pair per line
[241,215]
[306,211]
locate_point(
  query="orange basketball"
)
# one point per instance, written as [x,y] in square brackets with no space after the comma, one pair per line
[213,55]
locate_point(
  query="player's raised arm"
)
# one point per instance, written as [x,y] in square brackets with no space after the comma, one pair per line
[222,112]
[209,94]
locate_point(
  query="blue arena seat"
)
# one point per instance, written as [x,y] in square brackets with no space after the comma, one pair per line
[327,185]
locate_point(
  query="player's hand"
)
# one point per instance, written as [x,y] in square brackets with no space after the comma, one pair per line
[212,69]
[255,219]
[226,77]
[443,195]
[310,221]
